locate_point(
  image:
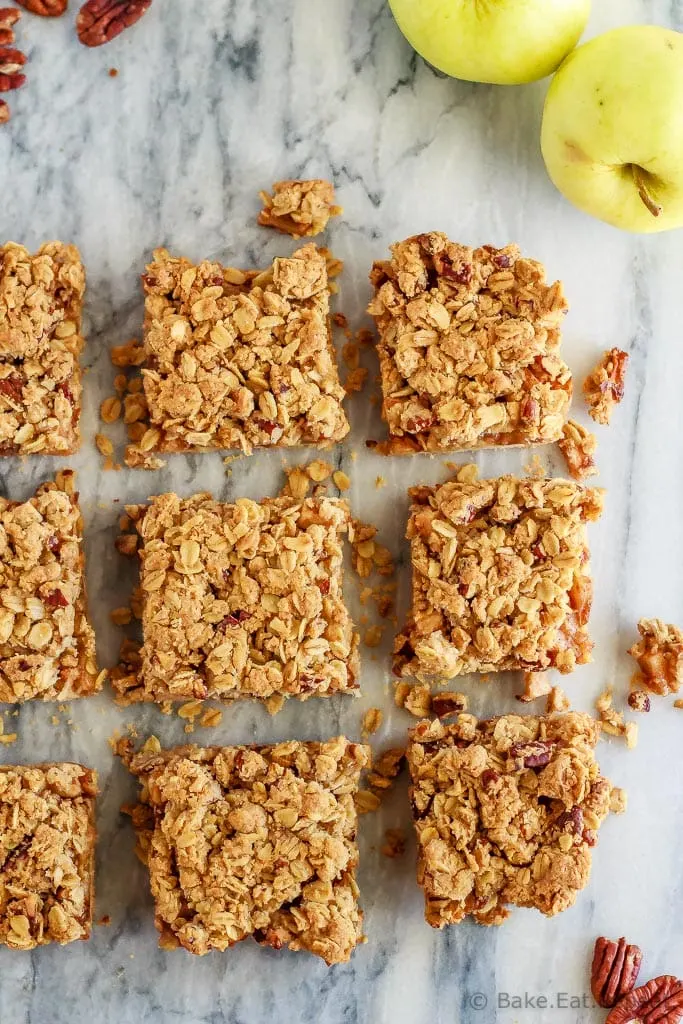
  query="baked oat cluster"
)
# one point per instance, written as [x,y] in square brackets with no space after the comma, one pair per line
[500,577]
[603,388]
[242,599]
[47,854]
[238,359]
[659,654]
[469,347]
[506,812]
[47,645]
[41,299]
[299,208]
[253,841]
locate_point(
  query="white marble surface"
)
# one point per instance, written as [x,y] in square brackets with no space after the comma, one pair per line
[213,101]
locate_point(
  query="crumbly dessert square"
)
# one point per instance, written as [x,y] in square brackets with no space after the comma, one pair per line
[47,645]
[47,853]
[243,599]
[500,577]
[41,300]
[506,811]
[299,208]
[239,359]
[256,841]
[469,347]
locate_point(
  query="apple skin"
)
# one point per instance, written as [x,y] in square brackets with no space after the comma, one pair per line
[504,42]
[612,135]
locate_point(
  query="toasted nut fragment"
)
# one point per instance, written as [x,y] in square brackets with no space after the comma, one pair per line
[638,700]
[448,703]
[372,719]
[604,387]
[659,654]
[614,971]
[578,447]
[394,842]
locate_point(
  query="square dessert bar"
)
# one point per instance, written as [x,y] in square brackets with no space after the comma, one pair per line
[41,300]
[243,599]
[256,841]
[238,359]
[500,577]
[506,812]
[47,645]
[47,853]
[469,347]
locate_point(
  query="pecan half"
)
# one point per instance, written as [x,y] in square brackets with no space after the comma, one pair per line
[11,61]
[8,17]
[45,8]
[535,754]
[100,21]
[660,1001]
[614,971]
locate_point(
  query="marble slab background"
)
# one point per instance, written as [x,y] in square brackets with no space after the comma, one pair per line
[213,101]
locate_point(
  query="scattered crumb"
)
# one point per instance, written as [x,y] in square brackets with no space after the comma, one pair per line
[380,482]
[618,800]
[578,446]
[536,684]
[274,703]
[341,480]
[372,719]
[386,768]
[104,445]
[113,72]
[401,691]
[299,208]
[557,701]
[447,703]
[678,704]
[121,616]
[373,636]
[604,387]
[104,921]
[110,409]
[211,718]
[366,801]
[638,700]
[394,842]
[613,721]
[418,700]
[659,654]
[534,468]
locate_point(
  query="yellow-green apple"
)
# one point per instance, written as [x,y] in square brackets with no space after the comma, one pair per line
[612,135]
[506,42]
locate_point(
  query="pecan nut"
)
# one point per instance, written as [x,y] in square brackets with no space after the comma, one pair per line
[535,754]
[45,8]
[614,971]
[11,61]
[100,21]
[660,1001]
[4,112]
[8,17]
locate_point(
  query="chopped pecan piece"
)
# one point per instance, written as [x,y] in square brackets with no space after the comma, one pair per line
[11,60]
[578,447]
[614,971]
[604,387]
[45,8]
[536,754]
[659,1001]
[100,21]
[448,703]
[659,654]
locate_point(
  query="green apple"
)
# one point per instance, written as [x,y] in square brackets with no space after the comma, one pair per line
[612,136]
[506,42]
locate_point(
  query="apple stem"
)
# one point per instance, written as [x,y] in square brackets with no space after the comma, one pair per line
[647,200]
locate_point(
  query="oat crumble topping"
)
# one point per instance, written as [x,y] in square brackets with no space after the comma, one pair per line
[238,359]
[253,841]
[47,645]
[242,599]
[41,298]
[604,387]
[47,853]
[506,812]
[469,347]
[299,208]
[659,654]
[500,577]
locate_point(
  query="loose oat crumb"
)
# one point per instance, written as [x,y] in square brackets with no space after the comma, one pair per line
[110,410]
[638,700]
[535,468]
[386,768]
[613,722]
[380,482]
[274,703]
[341,480]
[366,801]
[130,354]
[372,720]
[394,842]
[299,208]
[401,691]
[355,380]
[678,704]
[418,700]
[121,616]
[536,684]
[448,703]
[373,636]
[578,446]
[557,701]
[604,387]
[211,718]
[104,445]
[618,800]
[659,654]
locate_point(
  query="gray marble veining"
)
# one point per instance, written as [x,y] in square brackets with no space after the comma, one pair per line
[213,101]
